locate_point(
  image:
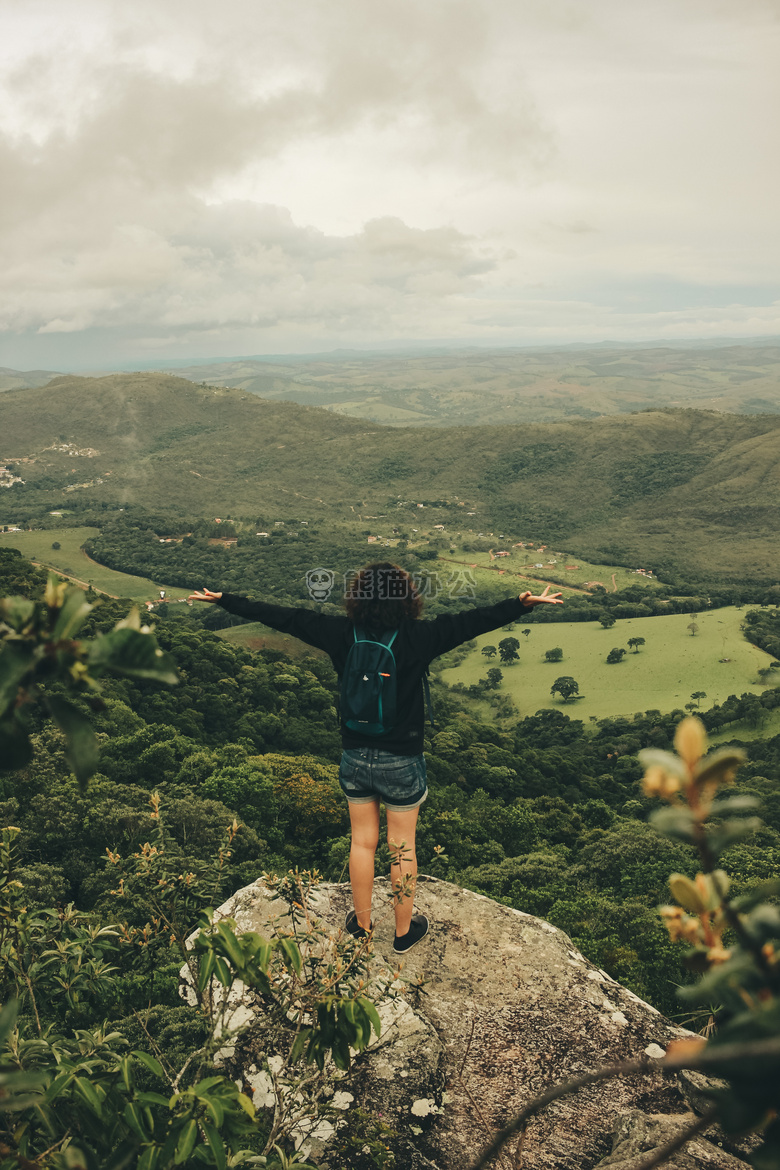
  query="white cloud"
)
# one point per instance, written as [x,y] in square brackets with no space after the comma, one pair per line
[271,176]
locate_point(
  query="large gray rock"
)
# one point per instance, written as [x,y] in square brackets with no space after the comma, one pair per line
[637,1135]
[498,1006]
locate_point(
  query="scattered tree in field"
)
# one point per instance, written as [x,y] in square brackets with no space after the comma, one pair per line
[635,643]
[553,655]
[567,687]
[489,651]
[698,695]
[617,654]
[494,676]
[55,544]
[526,631]
[607,620]
[507,650]
[693,628]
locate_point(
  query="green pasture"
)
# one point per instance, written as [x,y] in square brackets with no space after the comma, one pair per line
[71,560]
[521,564]
[662,675]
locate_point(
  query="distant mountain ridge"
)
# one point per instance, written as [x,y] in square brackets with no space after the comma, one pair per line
[474,386]
[483,387]
[20,379]
[692,489]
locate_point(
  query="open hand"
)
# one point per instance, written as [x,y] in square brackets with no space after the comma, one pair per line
[529,600]
[204,595]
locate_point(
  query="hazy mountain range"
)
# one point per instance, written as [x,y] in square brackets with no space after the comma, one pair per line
[692,489]
[480,386]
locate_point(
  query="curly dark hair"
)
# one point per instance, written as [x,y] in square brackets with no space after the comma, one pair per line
[381,596]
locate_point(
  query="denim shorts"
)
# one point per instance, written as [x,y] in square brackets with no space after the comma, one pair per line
[368,774]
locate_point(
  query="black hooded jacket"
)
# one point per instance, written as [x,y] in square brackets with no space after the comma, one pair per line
[417,644]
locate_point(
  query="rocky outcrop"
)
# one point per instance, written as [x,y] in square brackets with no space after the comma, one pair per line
[497,1006]
[637,1136]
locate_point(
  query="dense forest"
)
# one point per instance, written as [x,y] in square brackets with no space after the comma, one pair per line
[542,813]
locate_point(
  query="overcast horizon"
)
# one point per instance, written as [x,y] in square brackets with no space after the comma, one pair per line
[189,183]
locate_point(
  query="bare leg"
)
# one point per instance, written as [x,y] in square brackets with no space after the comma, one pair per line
[401,827]
[364,819]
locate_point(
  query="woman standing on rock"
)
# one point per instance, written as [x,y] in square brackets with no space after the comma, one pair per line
[382,647]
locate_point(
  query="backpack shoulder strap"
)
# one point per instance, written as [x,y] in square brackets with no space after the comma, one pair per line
[380,640]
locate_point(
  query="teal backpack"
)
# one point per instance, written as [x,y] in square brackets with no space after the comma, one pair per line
[368,685]
[367,690]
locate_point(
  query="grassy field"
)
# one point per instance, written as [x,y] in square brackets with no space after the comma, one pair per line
[662,675]
[71,560]
[568,571]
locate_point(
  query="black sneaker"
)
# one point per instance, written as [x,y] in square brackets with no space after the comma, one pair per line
[418,928]
[354,928]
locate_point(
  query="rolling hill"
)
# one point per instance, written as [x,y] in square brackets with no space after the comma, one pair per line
[482,386]
[693,490]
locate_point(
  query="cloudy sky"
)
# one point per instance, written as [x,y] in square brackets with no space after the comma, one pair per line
[185,178]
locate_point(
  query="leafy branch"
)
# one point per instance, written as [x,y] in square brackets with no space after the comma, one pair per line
[41,657]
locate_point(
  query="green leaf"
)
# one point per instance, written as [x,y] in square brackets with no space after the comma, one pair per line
[127,1073]
[719,765]
[131,653]
[210,1083]
[72,615]
[230,945]
[657,758]
[216,1145]
[300,1043]
[246,1105]
[8,1016]
[15,1087]
[291,954]
[765,890]
[147,1099]
[341,1052]
[223,972]
[76,1159]
[214,1108]
[89,1094]
[372,1014]
[81,751]
[16,660]
[133,1115]
[764,922]
[206,969]
[186,1142]
[151,1062]
[720,837]
[734,804]
[673,822]
[56,1087]
[258,949]
[149,1158]
[686,893]
[17,612]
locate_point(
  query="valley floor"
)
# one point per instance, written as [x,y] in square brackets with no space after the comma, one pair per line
[663,675]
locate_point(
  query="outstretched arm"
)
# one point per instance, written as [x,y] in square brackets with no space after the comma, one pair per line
[529,600]
[204,595]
